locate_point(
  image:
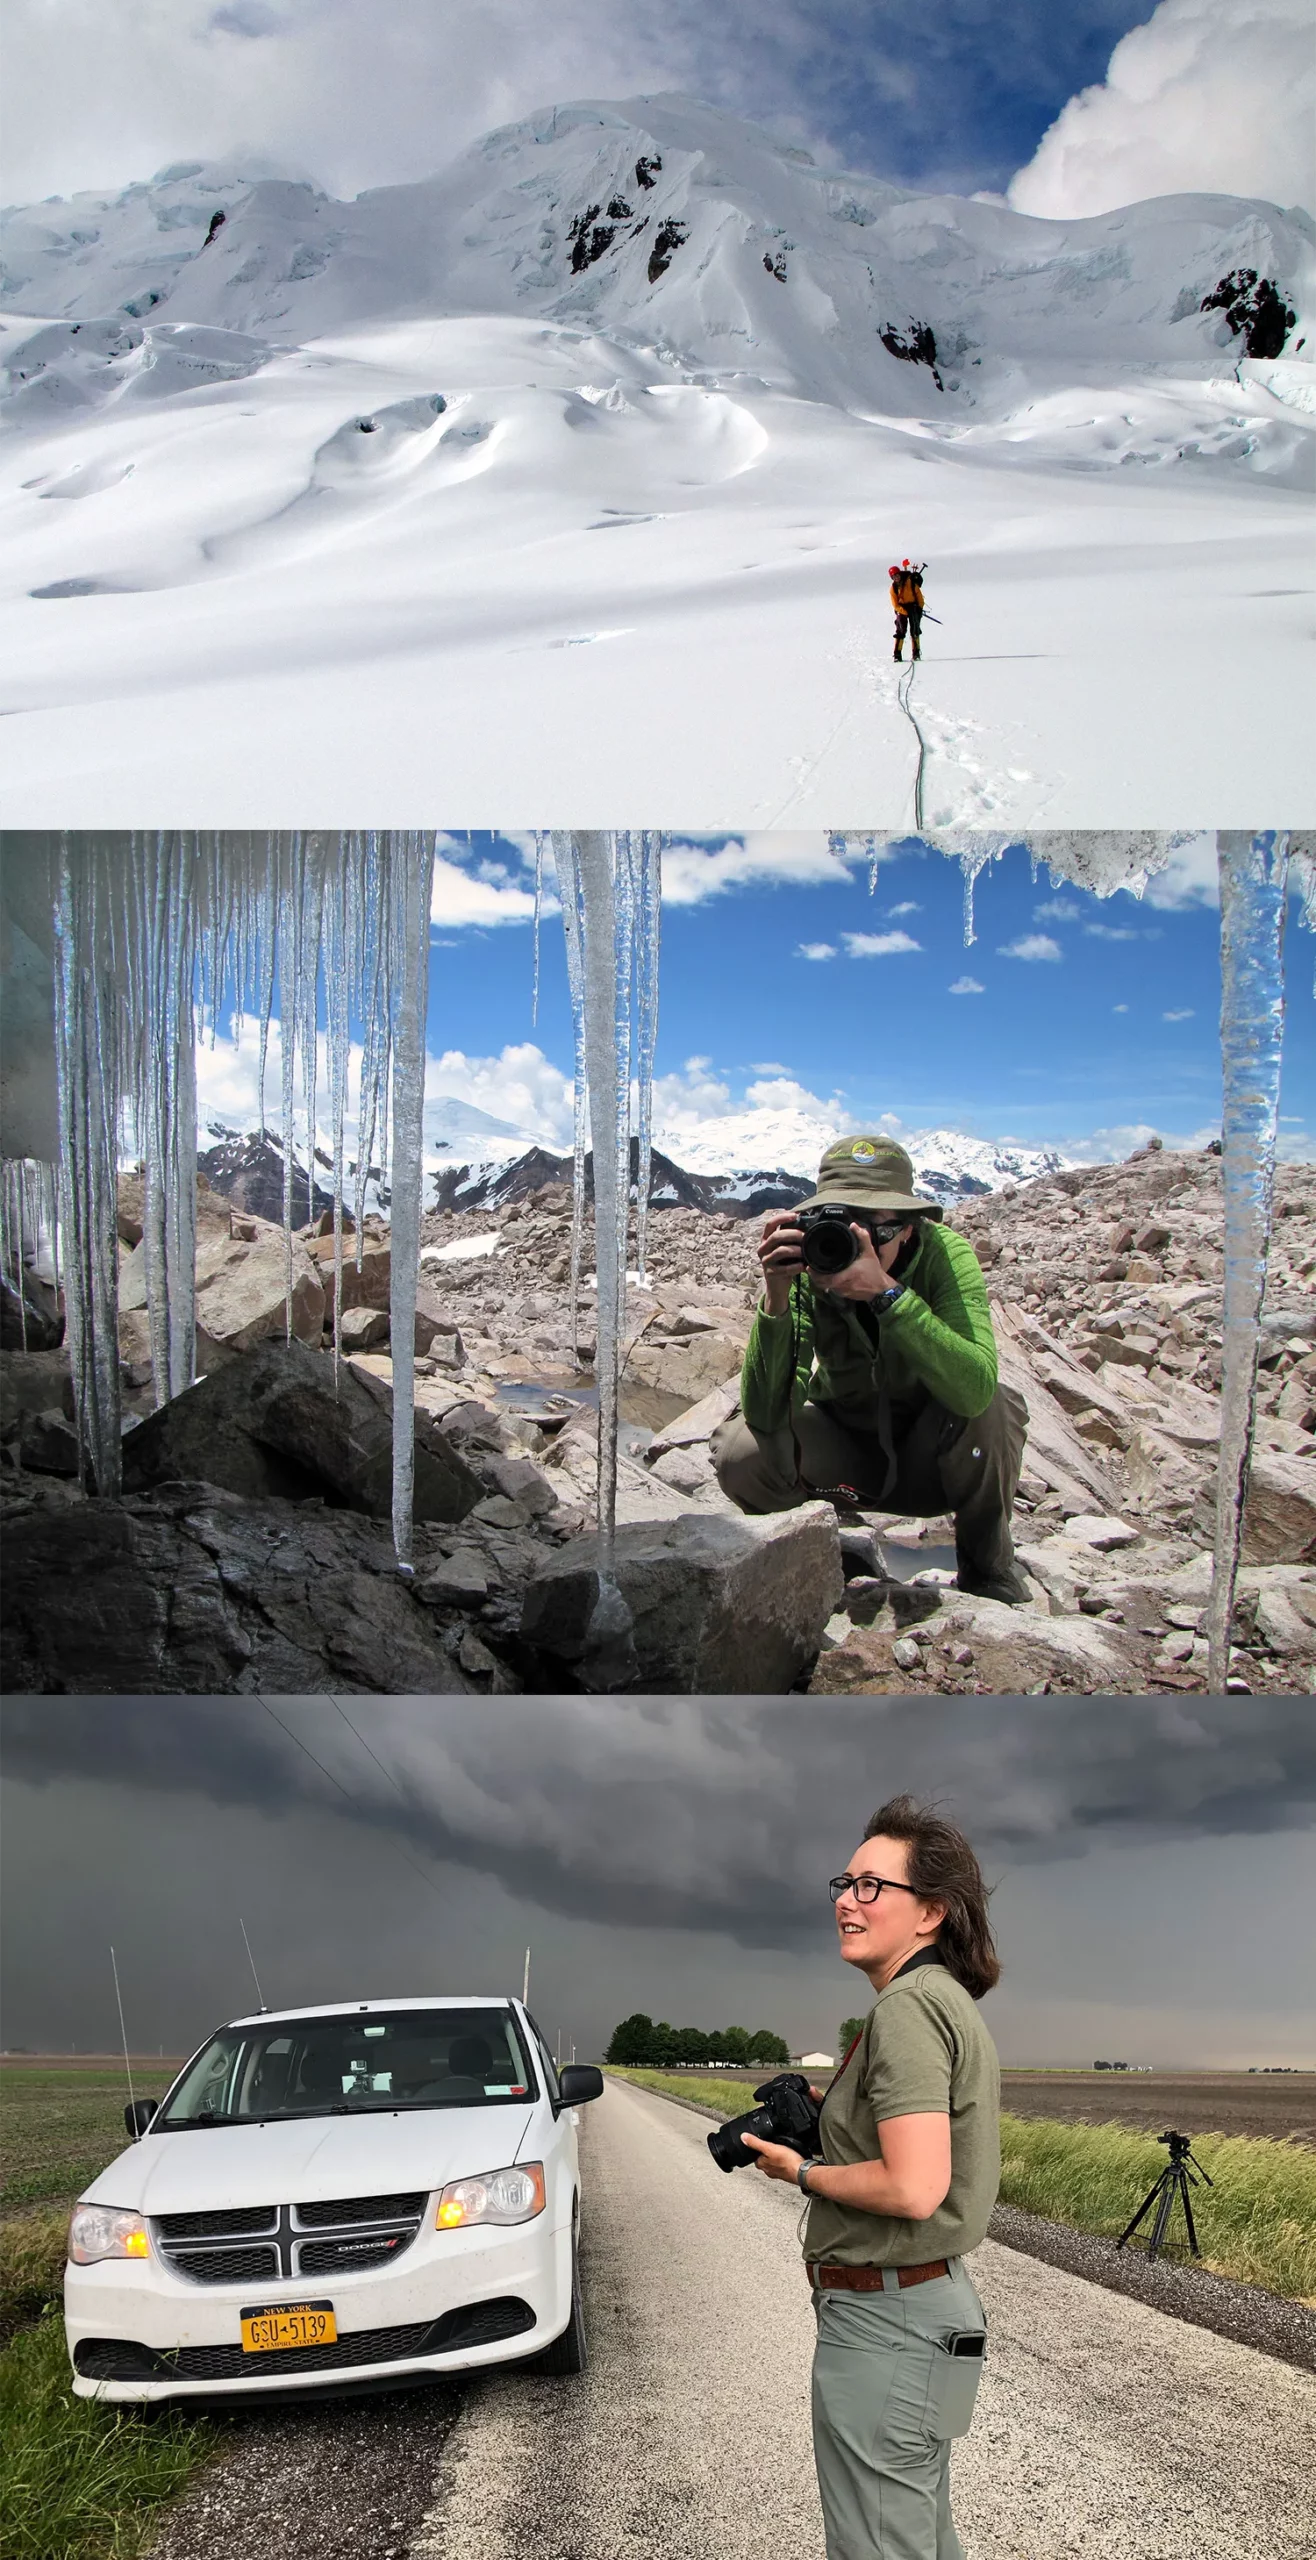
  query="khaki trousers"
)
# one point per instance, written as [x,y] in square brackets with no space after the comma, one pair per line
[943,1463]
[888,2399]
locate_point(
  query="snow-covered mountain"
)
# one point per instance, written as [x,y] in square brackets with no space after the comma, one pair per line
[667,228]
[384,437]
[746,1163]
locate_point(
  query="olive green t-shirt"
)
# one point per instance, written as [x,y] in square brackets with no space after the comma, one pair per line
[924,2051]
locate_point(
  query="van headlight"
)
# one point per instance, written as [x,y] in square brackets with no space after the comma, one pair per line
[501,2195]
[97,2231]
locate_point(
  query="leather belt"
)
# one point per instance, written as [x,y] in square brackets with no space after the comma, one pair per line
[828,2279]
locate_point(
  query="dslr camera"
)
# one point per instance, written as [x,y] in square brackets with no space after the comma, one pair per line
[785,2113]
[829,1246]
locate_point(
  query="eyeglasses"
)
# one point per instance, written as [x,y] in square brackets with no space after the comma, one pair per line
[866,1888]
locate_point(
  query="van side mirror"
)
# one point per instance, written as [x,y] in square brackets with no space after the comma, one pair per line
[138,2116]
[578,2082]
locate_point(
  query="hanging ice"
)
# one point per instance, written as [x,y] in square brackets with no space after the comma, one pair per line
[87,1053]
[1253,907]
[411,884]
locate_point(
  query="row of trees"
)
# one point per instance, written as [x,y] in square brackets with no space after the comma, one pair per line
[638,2042]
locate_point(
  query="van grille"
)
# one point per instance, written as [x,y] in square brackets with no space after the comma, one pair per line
[350,2233]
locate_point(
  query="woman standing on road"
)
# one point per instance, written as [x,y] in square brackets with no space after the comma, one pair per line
[910,2164]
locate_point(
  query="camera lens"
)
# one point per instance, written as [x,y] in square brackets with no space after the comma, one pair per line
[829,1246]
[726,2146]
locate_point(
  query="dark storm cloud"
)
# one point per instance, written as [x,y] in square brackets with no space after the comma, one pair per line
[714,1815]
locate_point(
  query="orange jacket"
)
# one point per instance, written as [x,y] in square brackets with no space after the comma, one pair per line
[906,590]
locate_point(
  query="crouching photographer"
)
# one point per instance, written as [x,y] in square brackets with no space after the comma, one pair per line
[901,2176]
[871,1372]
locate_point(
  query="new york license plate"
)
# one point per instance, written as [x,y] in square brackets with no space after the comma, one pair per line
[288,2324]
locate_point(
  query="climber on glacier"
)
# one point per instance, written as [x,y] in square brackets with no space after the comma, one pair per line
[871,1378]
[907,597]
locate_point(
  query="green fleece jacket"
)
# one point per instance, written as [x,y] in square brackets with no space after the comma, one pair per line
[936,1341]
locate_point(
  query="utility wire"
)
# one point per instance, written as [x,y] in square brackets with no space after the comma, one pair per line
[343,1791]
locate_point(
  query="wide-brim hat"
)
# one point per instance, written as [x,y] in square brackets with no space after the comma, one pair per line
[869,1173]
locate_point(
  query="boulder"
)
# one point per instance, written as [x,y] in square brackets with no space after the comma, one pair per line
[194,1591]
[699,1422]
[367,1287]
[48,1442]
[983,1644]
[362,1328]
[269,1422]
[688,1367]
[31,1314]
[718,1604]
[34,1382]
[1279,1523]
[240,1289]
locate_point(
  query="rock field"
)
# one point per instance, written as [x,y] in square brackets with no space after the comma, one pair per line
[251,1549]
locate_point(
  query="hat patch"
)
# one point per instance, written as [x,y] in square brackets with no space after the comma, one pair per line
[863,1151]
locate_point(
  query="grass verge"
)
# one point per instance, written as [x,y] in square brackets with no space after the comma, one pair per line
[79,2480]
[1256,2224]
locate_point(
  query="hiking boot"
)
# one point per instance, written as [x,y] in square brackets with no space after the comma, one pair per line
[897,656]
[1008,1586]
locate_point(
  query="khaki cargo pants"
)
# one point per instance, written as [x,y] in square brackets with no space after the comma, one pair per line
[943,1463]
[888,2400]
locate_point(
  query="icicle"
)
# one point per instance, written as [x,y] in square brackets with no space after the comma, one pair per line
[159,947]
[609,1637]
[1253,906]
[87,1067]
[413,878]
[1302,865]
[571,894]
[648,935]
[337,1012]
[539,917]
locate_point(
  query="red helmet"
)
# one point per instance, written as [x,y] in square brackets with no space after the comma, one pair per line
[904,564]
[894,570]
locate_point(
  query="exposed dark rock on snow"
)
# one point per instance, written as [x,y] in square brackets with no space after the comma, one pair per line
[668,238]
[914,344]
[1255,309]
[249,1172]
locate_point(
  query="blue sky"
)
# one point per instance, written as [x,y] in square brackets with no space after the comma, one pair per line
[1093,1016]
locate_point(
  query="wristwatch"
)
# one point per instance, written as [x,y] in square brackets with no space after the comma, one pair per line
[886,1298]
[802,2173]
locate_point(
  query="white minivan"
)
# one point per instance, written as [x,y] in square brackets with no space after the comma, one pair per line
[339,2195]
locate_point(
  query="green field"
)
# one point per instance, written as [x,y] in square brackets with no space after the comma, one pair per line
[78,2481]
[1256,2224]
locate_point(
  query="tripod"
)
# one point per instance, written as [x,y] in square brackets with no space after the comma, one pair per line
[1175,2180]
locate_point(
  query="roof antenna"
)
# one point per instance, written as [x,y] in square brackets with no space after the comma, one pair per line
[525,1982]
[260,1996]
[132,2095]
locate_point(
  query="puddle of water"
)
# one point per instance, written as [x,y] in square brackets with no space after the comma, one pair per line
[902,1563]
[643,1409]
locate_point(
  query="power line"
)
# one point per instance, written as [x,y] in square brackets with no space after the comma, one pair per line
[343,1791]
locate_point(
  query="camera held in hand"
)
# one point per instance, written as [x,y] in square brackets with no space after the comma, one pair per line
[786,2112]
[829,1245]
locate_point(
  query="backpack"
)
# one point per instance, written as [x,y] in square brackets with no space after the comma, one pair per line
[907,586]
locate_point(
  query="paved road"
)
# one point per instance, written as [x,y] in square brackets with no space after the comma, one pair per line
[1105,2431]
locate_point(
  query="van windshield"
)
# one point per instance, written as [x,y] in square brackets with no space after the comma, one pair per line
[355,2065]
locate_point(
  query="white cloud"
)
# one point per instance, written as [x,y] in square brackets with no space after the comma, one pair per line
[879,946]
[1031,946]
[693,872]
[968,987]
[769,1067]
[1213,97]
[816,951]
[1185,1014]
[520,1084]
[1112,932]
[1060,910]
[462,897]
[103,91]
[1119,1008]
[1191,877]
[907,907]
